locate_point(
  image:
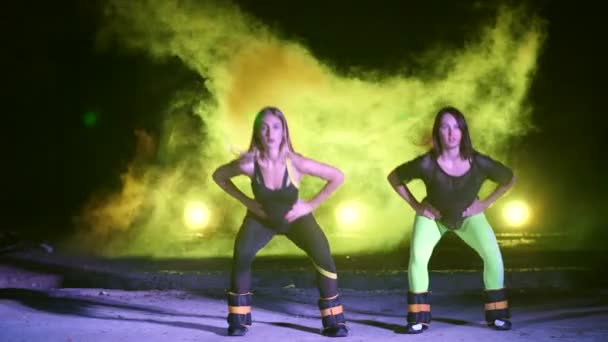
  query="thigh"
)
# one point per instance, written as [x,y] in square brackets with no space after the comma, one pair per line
[252,236]
[477,233]
[308,236]
[425,234]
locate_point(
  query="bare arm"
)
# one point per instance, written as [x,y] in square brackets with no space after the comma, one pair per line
[332,175]
[223,177]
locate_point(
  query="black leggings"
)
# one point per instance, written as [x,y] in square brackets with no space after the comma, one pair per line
[304,232]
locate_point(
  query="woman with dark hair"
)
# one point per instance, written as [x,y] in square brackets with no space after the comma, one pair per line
[453,172]
[275,170]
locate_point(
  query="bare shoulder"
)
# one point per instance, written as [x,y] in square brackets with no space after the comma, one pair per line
[309,166]
[300,162]
[245,164]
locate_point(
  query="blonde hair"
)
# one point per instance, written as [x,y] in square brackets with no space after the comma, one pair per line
[256,148]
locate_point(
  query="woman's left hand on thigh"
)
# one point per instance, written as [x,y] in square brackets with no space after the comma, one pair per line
[475,208]
[299,209]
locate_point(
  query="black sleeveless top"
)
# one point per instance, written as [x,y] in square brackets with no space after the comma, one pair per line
[451,195]
[276,203]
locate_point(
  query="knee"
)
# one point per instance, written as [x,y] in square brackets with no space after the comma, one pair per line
[243,260]
[413,265]
[322,258]
[491,255]
[325,260]
[419,258]
[326,268]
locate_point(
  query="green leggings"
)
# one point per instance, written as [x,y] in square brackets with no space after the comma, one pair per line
[475,232]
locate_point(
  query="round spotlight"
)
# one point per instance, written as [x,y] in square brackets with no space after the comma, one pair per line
[349,215]
[196,215]
[516,213]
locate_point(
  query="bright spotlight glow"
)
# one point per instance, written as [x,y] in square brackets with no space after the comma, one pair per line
[516,213]
[349,215]
[196,215]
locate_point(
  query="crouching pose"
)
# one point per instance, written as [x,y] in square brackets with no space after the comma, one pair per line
[453,173]
[275,170]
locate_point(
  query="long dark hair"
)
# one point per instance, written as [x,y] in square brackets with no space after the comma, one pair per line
[466,147]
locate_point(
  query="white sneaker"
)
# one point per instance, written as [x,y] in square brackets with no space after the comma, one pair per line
[500,324]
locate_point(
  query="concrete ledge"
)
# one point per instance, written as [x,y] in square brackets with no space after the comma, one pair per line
[55,270]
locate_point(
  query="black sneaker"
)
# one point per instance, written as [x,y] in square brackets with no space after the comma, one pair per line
[339,330]
[238,330]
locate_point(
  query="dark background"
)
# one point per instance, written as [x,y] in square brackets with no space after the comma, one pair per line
[53,74]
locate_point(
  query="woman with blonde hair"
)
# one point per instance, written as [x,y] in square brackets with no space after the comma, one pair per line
[275,170]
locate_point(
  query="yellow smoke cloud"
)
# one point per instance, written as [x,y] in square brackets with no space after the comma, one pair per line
[363,124]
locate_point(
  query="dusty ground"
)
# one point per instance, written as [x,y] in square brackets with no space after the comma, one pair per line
[35,313]
[35,305]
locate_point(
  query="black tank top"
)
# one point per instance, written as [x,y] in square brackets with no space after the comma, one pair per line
[276,203]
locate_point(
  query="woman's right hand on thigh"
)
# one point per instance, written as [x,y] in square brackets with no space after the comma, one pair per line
[255,207]
[427,210]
